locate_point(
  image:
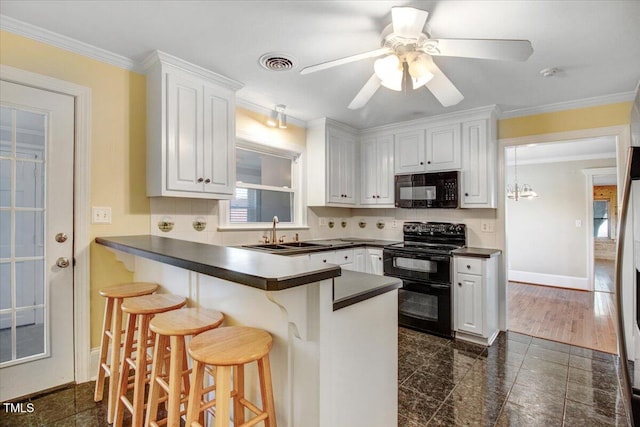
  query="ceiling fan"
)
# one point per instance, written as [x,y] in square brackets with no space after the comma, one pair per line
[407,58]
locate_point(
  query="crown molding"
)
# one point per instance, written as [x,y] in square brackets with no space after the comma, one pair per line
[24,29]
[569,105]
[266,111]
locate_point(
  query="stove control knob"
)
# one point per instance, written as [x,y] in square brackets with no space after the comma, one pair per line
[459,229]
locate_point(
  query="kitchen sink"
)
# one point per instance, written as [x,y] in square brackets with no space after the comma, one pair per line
[267,247]
[300,244]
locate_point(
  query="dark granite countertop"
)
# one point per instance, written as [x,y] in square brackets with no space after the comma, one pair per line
[321,245]
[477,252]
[252,268]
[353,287]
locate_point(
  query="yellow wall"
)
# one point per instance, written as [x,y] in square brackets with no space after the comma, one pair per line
[118,151]
[567,120]
[253,125]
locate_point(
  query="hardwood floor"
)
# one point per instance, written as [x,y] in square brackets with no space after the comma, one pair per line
[580,318]
[604,275]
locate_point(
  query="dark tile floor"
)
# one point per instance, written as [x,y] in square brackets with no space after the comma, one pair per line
[519,381]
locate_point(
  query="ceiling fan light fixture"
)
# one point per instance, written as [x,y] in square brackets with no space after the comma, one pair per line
[389,71]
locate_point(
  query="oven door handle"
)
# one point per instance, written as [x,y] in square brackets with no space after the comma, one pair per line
[439,258]
[440,286]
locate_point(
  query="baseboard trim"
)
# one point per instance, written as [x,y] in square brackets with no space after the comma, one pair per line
[94,360]
[554,280]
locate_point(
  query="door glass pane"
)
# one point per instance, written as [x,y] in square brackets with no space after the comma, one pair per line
[29,234]
[5,285]
[29,283]
[5,337]
[251,205]
[5,183]
[29,184]
[5,234]
[30,135]
[5,131]
[22,215]
[29,332]
[262,168]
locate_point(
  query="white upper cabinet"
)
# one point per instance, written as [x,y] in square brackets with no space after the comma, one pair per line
[332,165]
[377,166]
[479,159]
[190,130]
[410,152]
[434,149]
[443,150]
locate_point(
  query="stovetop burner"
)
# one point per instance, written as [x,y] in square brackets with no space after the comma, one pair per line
[432,237]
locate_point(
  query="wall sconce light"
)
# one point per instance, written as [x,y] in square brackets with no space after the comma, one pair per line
[278,118]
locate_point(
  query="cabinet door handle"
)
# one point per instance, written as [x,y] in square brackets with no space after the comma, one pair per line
[459,284]
[466,194]
[379,258]
[421,163]
[346,257]
[206,181]
[428,162]
[324,260]
[200,179]
[468,267]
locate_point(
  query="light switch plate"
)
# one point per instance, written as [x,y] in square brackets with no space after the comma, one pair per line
[100,215]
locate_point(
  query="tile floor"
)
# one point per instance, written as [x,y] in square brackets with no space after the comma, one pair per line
[519,381]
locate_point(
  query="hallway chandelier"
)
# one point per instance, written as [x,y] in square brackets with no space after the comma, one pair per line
[518,192]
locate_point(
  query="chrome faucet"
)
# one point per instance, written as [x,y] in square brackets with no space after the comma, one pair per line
[274,236]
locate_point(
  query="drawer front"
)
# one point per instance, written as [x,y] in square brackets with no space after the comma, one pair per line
[469,265]
[344,256]
[325,256]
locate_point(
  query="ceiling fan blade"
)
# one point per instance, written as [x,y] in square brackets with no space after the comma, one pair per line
[346,60]
[505,50]
[365,94]
[441,87]
[408,22]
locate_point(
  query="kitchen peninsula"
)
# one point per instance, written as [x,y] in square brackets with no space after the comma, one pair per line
[334,358]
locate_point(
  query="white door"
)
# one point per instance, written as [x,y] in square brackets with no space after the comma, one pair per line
[36,204]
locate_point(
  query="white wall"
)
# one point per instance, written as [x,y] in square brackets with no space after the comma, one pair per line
[544,243]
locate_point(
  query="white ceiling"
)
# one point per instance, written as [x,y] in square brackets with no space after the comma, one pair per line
[565,151]
[596,44]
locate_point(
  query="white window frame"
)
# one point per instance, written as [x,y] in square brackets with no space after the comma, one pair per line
[297,155]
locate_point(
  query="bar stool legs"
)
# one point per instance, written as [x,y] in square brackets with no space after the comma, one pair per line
[229,349]
[171,328]
[112,338]
[140,310]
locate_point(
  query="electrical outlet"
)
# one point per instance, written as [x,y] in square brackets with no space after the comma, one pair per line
[322,221]
[394,224]
[487,227]
[578,223]
[100,215]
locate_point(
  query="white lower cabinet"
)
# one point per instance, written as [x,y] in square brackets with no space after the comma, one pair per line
[364,260]
[476,298]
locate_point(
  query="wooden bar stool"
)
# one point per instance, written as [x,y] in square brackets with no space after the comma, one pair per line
[112,337]
[230,348]
[140,311]
[171,328]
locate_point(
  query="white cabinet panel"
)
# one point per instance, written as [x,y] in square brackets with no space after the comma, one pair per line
[374,261]
[479,159]
[410,152]
[190,130]
[376,179]
[443,148]
[469,306]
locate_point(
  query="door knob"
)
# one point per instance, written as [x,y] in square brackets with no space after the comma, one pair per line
[62,262]
[61,237]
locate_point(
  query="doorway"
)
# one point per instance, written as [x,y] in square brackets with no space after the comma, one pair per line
[550,254]
[36,247]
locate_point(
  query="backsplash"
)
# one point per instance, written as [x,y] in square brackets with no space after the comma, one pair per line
[362,223]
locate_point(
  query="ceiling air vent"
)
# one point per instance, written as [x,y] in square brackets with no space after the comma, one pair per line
[277,62]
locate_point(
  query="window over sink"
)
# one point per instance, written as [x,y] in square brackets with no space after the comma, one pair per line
[268,184]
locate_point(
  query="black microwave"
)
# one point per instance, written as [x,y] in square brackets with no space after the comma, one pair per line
[427,190]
